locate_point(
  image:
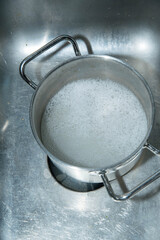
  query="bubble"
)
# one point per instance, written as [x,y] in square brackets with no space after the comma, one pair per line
[93,123]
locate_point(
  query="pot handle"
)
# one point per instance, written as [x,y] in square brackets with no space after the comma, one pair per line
[43,49]
[136,189]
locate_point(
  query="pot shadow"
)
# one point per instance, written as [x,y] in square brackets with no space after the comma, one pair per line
[78,186]
[77,37]
[150,194]
[69,182]
[147,69]
[146,156]
[60,47]
[146,196]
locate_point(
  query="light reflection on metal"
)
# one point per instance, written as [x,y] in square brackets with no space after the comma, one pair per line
[31,47]
[82,204]
[143,46]
[144,43]
[5,126]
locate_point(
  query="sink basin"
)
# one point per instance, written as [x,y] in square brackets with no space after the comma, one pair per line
[34,204]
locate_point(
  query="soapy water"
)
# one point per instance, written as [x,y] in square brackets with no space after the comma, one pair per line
[93,123]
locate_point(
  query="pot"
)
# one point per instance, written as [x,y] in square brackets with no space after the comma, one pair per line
[91,66]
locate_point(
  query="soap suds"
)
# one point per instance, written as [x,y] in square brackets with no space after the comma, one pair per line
[93,123]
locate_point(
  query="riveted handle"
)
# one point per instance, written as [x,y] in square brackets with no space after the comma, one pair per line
[136,189]
[43,49]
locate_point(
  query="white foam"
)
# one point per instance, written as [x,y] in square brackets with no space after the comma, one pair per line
[93,123]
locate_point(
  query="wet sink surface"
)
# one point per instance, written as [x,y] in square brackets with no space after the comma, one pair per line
[33,205]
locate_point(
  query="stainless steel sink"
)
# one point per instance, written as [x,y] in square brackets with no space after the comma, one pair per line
[33,204]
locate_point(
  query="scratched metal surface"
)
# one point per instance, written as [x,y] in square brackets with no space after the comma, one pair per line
[33,205]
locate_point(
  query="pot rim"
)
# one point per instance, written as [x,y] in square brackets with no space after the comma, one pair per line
[111,167]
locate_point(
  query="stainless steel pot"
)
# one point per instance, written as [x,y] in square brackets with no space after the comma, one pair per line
[82,67]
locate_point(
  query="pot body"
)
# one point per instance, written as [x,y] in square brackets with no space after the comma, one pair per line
[94,175]
[95,67]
